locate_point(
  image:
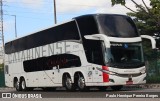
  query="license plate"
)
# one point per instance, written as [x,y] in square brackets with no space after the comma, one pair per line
[129,82]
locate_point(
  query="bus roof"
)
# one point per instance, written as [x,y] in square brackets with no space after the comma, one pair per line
[64,23]
[39,31]
[99,15]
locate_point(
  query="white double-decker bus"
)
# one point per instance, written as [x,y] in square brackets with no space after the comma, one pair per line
[97,50]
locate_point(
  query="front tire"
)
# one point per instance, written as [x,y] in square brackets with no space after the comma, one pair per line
[81,83]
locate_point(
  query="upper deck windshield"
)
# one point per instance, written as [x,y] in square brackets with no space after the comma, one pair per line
[117,26]
[124,55]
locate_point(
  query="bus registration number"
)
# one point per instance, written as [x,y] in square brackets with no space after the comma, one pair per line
[129,82]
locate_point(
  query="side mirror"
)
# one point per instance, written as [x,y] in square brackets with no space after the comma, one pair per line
[91,37]
[158,43]
[153,41]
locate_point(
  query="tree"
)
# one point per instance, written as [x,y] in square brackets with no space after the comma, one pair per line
[1,67]
[146,18]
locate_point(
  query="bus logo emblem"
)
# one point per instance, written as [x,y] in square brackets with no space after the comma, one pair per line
[125,46]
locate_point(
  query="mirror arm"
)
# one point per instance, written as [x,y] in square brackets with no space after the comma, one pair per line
[58,68]
[99,37]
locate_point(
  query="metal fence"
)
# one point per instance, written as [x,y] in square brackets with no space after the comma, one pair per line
[153,67]
[2,81]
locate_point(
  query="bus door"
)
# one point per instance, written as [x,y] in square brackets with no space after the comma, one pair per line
[97,75]
[95,57]
[7,76]
[56,74]
[49,77]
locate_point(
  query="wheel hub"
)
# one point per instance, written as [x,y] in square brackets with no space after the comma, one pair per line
[17,85]
[81,82]
[69,83]
[23,84]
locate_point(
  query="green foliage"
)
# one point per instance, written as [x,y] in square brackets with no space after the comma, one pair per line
[2,84]
[153,79]
[2,81]
[147,18]
[1,67]
[147,21]
[122,2]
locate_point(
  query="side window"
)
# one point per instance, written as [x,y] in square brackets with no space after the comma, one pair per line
[93,49]
[7,48]
[70,31]
[71,61]
[87,25]
[47,63]
[66,31]
[94,52]
[6,69]
[63,61]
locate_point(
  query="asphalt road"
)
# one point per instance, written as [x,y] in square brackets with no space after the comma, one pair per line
[92,95]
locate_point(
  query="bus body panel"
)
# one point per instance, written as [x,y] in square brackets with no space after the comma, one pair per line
[47,78]
[43,58]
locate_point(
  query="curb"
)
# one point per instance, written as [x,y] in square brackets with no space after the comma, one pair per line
[145,86]
[6,88]
[148,86]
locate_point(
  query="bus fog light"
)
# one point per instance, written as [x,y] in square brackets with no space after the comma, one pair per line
[106,71]
[111,80]
[144,78]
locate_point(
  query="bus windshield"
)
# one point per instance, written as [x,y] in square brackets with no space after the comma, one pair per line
[124,55]
[117,26]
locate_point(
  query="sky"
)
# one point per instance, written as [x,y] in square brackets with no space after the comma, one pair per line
[35,15]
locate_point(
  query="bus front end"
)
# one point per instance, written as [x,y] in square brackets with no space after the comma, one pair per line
[113,50]
[125,63]
[122,52]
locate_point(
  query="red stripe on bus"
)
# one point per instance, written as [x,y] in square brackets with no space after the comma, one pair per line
[105,75]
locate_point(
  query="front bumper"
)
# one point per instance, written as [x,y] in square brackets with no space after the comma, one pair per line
[116,80]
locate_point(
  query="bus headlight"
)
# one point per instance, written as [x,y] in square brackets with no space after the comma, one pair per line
[109,72]
[112,73]
[106,71]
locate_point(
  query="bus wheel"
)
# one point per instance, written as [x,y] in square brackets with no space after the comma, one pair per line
[68,83]
[102,88]
[17,86]
[23,85]
[81,83]
[116,88]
